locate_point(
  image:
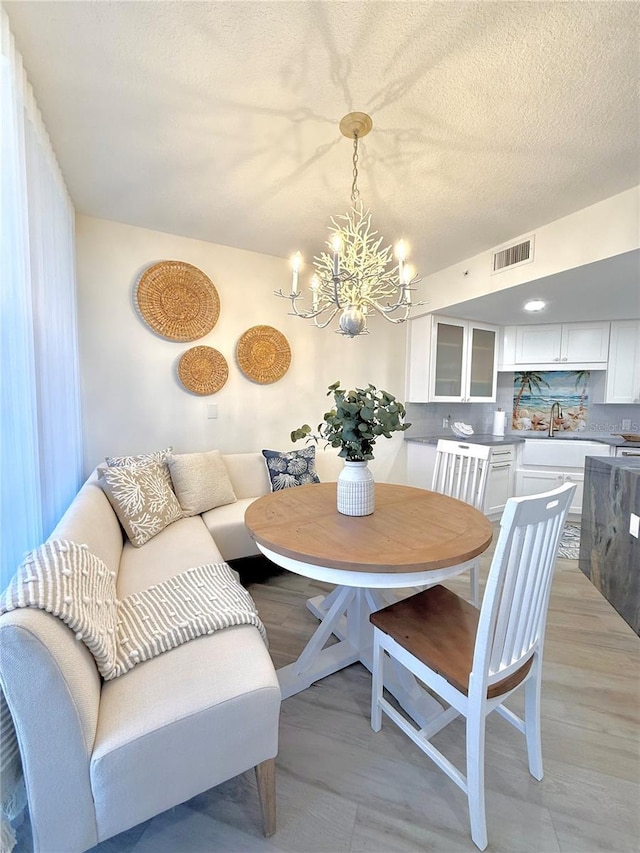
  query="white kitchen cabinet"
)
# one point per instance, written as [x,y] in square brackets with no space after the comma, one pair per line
[450,360]
[500,480]
[623,369]
[556,346]
[530,482]
[421,461]
[549,463]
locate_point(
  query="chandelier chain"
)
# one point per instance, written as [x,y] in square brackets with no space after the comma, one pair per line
[355,192]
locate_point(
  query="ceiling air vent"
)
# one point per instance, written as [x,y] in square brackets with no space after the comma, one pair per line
[512,256]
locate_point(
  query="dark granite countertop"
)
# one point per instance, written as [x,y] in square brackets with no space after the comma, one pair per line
[476,438]
[512,438]
[629,463]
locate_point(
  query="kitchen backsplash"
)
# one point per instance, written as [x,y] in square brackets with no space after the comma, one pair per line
[427,418]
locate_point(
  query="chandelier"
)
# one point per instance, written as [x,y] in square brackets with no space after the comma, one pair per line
[356,277]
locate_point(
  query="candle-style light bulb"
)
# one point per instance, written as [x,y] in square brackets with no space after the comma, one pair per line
[296,261]
[336,243]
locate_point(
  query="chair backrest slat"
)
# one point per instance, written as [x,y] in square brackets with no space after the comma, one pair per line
[516,598]
[461,471]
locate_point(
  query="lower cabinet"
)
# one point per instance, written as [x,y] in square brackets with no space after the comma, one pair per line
[533,482]
[421,460]
[500,481]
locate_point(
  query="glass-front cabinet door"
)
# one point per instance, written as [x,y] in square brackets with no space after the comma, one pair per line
[482,364]
[449,359]
[463,361]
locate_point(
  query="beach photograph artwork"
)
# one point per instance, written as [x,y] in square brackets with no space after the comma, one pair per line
[535,392]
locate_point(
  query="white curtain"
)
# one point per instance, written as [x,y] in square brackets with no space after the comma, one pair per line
[40,431]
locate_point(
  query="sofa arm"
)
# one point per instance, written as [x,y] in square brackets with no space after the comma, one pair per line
[52,689]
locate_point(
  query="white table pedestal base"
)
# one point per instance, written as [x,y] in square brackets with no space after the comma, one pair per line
[347,617]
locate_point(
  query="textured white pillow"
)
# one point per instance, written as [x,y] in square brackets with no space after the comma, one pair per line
[200,481]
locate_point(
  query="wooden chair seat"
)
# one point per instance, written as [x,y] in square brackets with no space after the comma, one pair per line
[439,628]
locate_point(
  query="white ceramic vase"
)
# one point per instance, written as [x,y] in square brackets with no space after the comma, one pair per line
[356,495]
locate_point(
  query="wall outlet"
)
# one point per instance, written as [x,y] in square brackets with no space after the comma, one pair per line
[212,410]
[634,525]
[626,424]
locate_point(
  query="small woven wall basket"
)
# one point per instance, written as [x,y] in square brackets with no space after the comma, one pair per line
[203,370]
[177,300]
[263,354]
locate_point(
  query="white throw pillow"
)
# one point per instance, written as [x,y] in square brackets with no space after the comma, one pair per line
[200,481]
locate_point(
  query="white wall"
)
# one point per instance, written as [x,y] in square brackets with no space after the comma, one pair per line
[600,231]
[132,399]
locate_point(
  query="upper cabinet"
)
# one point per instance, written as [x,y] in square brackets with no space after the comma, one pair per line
[623,372]
[556,346]
[451,361]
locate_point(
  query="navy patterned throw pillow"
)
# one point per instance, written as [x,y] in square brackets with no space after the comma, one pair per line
[292,468]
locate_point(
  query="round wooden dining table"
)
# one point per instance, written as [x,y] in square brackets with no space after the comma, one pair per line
[414,538]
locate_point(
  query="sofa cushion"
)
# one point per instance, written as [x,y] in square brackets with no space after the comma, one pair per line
[200,481]
[180,546]
[291,468]
[226,526]
[141,498]
[181,723]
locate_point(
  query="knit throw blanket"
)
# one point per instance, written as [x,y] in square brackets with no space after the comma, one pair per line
[68,581]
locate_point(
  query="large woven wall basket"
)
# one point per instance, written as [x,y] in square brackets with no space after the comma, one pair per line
[263,354]
[177,300]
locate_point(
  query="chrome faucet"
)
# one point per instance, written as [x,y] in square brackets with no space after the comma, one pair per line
[551,417]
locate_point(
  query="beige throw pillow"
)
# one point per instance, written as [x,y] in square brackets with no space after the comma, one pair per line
[200,481]
[143,459]
[141,498]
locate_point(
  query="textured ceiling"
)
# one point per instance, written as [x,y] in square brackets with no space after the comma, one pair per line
[219,120]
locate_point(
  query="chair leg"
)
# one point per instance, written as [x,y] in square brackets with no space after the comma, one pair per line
[474,584]
[376,683]
[532,693]
[475,778]
[266,779]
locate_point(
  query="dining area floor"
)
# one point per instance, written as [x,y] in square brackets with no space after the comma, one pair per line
[341,788]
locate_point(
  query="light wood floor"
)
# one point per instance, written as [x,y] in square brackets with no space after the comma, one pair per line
[343,788]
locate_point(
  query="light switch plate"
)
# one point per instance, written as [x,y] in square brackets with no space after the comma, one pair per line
[634,525]
[212,410]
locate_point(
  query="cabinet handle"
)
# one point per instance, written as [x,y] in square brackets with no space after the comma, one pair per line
[498,467]
[556,359]
[629,453]
[565,358]
[501,452]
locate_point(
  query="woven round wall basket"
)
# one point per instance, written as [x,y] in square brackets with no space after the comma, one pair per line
[177,300]
[203,370]
[263,354]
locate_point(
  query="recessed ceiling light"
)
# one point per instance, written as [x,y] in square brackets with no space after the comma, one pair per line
[534,305]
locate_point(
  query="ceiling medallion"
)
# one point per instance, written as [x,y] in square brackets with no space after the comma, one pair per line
[356,277]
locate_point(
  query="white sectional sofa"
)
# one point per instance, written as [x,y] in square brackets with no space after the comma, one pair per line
[101,756]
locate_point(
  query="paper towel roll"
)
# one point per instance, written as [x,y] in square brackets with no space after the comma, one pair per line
[498,422]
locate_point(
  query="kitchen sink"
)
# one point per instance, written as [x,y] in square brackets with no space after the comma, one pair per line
[561,452]
[562,436]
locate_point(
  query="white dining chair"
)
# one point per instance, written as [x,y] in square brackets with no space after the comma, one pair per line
[472,659]
[461,471]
